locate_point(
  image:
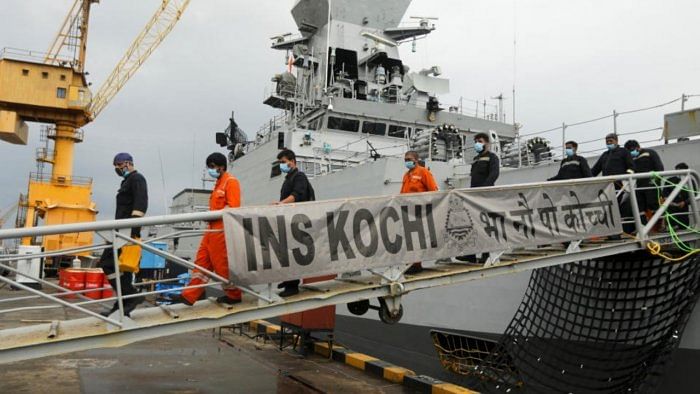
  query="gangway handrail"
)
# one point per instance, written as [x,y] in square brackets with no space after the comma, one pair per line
[107,225]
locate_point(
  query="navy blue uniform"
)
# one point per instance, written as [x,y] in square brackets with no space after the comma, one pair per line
[614,162]
[573,167]
[485,169]
[647,161]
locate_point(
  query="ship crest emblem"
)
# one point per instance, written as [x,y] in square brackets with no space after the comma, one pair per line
[459,226]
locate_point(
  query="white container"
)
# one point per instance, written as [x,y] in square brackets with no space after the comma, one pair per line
[30,266]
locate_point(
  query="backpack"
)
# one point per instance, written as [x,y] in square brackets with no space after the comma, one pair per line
[310,191]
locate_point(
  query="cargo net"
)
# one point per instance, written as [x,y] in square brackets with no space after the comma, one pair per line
[606,325]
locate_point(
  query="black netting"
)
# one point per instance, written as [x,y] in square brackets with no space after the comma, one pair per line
[606,325]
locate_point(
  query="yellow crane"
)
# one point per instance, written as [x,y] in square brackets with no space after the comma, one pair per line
[51,88]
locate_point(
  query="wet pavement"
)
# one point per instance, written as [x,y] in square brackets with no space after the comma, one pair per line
[200,362]
[192,363]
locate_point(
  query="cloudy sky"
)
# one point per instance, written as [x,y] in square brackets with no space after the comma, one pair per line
[576,60]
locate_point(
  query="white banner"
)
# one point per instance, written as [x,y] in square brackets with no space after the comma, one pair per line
[283,242]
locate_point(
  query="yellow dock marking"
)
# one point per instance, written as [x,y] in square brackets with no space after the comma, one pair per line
[358,360]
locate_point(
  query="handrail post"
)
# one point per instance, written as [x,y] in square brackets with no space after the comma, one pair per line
[632,185]
[118,276]
[694,183]
[563,140]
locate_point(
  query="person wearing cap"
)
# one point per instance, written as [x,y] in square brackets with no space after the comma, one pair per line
[614,161]
[573,166]
[211,254]
[132,202]
[645,160]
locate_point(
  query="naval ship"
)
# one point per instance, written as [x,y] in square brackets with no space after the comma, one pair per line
[350,108]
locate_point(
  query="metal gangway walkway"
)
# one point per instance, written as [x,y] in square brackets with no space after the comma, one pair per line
[386,283]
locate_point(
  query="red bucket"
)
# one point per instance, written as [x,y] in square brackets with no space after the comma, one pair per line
[72,279]
[107,292]
[93,280]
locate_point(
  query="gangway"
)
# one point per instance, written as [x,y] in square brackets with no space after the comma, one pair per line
[387,283]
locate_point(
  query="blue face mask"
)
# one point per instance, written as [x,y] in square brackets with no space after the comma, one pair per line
[612,146]
[634,153]
[409,164]
[478,147]
[213,173]
[284,167]
[569,152]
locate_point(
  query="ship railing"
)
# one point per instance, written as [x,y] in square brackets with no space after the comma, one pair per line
[38,177]
[275,123]
[599,127]
[114,235]
[474,108]
[32,56]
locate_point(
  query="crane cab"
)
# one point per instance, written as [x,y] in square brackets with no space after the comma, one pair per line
[39,92]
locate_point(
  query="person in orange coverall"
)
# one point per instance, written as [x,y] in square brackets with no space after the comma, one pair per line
[417,179]
[212,250]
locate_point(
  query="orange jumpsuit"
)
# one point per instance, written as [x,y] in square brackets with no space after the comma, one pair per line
[418,180]
[212,250]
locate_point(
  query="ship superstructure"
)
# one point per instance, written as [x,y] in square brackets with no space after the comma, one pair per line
[347,100]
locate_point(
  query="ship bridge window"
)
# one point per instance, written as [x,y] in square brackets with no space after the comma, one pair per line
[398,131]
[374,128]
[343,124]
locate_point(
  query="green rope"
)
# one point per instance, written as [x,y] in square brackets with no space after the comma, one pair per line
[669,218]
[656,175]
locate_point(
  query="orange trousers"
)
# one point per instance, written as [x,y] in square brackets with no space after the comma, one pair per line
[211,256]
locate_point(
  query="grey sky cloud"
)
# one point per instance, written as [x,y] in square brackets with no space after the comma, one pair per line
[576,60]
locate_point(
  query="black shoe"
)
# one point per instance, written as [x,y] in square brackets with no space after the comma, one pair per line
[288,283]
[289,291]
[467,259]
[414,269]
[115,308]
[228,301]
[179,299]
[131,303]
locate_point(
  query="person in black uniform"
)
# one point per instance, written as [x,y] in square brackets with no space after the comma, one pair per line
[296,188]
[645,160]
[486,166]
[485,170]
[573,166]
[132,202]
[614,161]
[679,208]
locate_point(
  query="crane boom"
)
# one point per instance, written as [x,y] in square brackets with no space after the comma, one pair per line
[70,44]
[162,22]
